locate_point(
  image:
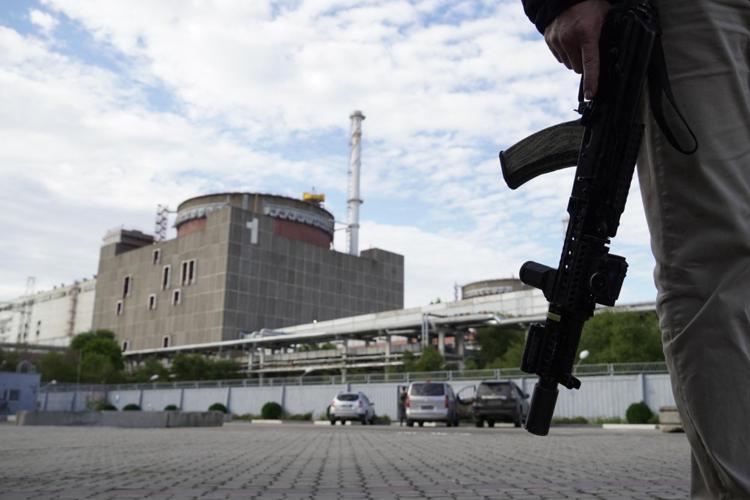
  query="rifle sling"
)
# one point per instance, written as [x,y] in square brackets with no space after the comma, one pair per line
[658,86]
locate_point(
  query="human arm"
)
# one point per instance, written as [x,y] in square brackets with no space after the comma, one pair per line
[571,29]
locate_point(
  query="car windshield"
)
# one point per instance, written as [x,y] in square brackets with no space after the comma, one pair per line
[493,390]
[347,397]
[427,390]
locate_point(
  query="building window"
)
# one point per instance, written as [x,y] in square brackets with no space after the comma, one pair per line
[38,328]
[166,277]
[152,302]
[14,395]
[125,345]
[183,273]
[157,256]
[127,286]
[165,341]
[176,297]
[192,272]
[118,308]
[188,272]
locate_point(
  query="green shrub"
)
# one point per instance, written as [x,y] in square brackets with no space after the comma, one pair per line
[383,420]
[607,420]
[101,405]
[131,407]
[304,416]
[638,413]
[171,408]
[570,420]
[654,419]
[218,407]
[271,411]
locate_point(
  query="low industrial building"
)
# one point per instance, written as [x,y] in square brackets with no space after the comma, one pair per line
[51,317]
[240,262]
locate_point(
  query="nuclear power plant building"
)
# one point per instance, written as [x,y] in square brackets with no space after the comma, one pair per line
[240,262]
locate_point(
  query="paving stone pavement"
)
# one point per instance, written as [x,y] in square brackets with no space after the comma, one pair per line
[297,461]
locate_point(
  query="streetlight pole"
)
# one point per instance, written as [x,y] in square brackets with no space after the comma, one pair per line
[581,356]
[78,381]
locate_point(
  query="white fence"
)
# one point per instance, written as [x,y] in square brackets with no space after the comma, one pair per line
[599,396]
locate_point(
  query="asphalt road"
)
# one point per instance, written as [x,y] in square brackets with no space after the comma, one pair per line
[296,461]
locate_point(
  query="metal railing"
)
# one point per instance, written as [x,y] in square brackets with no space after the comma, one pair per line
[368,378]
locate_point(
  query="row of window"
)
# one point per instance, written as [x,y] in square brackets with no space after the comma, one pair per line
[176,300]
[188,276]
[165,340]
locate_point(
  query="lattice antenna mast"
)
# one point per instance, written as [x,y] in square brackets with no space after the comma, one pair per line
[162,220]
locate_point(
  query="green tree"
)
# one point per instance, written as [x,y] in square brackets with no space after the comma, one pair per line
[512,356]
[148,369]
[99,357]
[190,367]
[198,367]
[101,342]
[494,342]
[430,360]
[222,369]
[9,360]
[59,366]
[622,337]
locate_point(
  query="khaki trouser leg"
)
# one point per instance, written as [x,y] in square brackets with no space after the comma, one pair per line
[698,211]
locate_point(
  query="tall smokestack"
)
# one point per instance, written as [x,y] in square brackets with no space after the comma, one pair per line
[354,201]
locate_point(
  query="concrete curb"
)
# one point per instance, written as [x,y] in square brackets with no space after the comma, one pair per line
[130,419]
[630,427]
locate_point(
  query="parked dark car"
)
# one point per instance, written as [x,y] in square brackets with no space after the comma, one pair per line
[499,401]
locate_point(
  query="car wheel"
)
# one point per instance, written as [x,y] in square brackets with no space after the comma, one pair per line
[449,423]
[363,421]
[421,424]
[333,421]
[410,423]
[490,423]
[479,422]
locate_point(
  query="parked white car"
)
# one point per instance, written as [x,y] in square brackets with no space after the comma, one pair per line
[351,406]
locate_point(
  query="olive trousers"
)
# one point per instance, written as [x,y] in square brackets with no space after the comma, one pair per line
[698,213]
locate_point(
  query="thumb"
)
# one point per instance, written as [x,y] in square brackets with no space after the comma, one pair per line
[590,63]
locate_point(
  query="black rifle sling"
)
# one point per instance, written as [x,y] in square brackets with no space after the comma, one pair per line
[658,85]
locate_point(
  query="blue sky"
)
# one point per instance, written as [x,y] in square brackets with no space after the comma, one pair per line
[110,108]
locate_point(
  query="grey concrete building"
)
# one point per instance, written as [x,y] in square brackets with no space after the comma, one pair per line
[240,262]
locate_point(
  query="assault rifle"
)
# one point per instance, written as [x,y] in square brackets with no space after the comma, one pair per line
[604,144]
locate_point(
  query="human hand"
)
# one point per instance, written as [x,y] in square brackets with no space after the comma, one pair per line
[573,38]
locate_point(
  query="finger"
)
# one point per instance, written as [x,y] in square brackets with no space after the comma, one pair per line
[574,57]
[590,62]
[552,46]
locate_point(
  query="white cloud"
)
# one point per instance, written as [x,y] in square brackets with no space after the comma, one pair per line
[43,20]
[255,89]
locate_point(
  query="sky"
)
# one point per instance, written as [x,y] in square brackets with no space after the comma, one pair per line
[110,108]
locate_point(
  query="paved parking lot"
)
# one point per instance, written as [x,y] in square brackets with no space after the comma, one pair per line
[288,461]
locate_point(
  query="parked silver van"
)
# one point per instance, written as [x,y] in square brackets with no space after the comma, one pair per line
[431,402]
